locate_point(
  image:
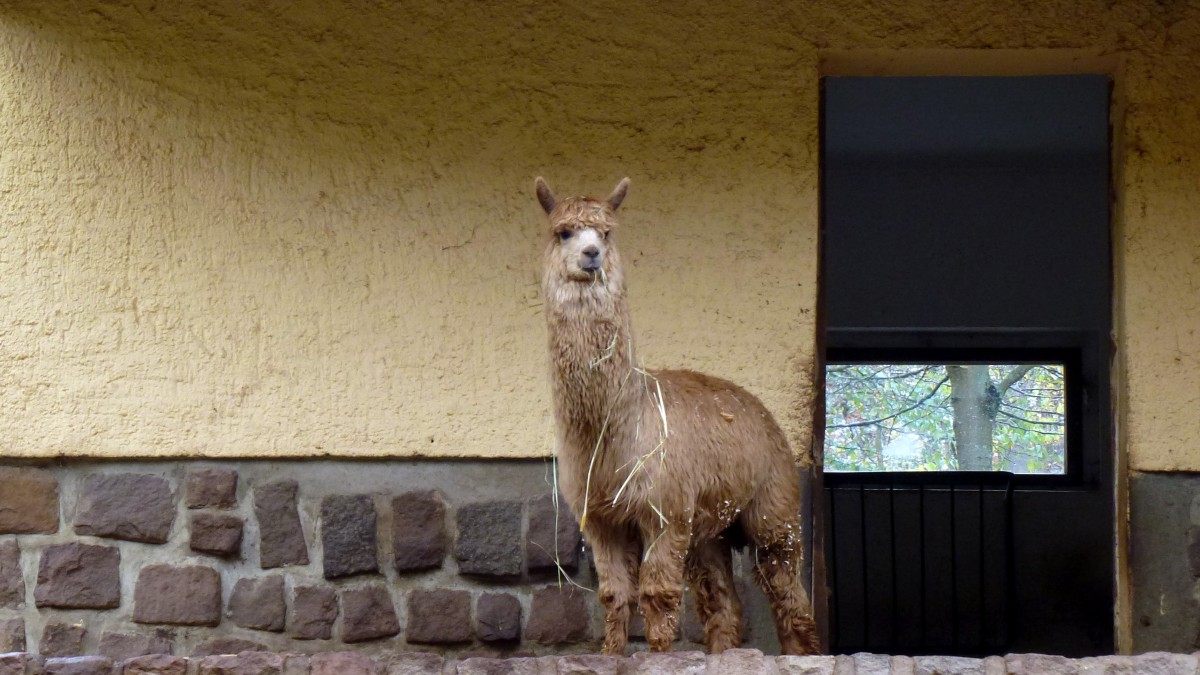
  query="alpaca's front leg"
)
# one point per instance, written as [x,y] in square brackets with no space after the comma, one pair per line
[616,554]
[661,581]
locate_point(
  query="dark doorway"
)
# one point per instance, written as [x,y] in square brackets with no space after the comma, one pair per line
[965,222]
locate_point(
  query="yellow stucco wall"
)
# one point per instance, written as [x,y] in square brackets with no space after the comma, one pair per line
[287,229]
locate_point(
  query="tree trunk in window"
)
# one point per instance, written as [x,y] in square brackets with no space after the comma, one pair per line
[974,399]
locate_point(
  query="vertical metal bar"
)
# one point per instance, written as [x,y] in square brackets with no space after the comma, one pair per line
[953,569]
[895,577]
[866,604]
[983,615]
[924,612]
[831,530]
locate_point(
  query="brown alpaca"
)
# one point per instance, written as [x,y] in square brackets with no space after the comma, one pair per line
[662,467]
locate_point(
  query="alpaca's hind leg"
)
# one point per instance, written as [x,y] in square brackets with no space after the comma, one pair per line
[616,554]
[661,582]
[710,574]
[772,522]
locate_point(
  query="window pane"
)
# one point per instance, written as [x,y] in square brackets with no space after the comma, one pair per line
[945,417]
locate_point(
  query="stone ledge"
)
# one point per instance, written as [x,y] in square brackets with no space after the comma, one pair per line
[732,662]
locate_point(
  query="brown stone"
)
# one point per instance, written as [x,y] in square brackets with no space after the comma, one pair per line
[419,531]
[211,489]
[121,646]
[489,539]
[79,665]
[498,617]
[553,537]
[184,596]
[129,506]
[226,645]
[559,615]
[411,663]
[12,580]
[244,663]
[314,610]
[668,663]
[348,535]
[495,666]
[439,617]
[368,614]
[79,576]
[12,635]
[281,537]
[215,533]
[28,501]
[341,663]
[258,604]
[155,664]
[13,663]
[62,639]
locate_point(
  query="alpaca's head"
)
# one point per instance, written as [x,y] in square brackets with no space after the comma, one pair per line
[580,248]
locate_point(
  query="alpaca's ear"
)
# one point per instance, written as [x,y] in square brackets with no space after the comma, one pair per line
[545,196]
[618,194]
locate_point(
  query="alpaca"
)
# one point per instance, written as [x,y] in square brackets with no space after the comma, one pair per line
[665,469]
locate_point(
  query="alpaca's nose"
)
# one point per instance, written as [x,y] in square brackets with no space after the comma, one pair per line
[592,252]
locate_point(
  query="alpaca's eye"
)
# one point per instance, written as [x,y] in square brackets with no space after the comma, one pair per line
[605,235]
[565,235]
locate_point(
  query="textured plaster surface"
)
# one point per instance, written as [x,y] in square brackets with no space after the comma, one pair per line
[250,229]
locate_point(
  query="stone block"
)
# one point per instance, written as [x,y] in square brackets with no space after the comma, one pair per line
[947,665]
[558,616]
[211,488]
[62,639]
[590,664]
[368,614]
[553,538]
[12,635]
[296,664]
[28,501]
[314,611]
[13,663]
[281,537]
[489,539]
[12,580]
[79,576]
[493,666]
[419,531]
[741,662]
[1154,663]
[902,665]
[258,604]
[1102,665]
[226,645]
[182,596]
[804,665]
[348,536]
[439,617]
[1039,664]
[215,533]
[872,664]
[411,663]
[667,663]
[498,617]
[244,663]
[155,664]
[129,506]
[78,665]
[341,663]
[122,646]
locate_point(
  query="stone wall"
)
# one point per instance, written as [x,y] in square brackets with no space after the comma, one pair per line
[195,559]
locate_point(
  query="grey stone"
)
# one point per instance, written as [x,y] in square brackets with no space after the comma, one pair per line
[211,488]
[590,664]
[155,664]
[995,665]
[805,665]
[419,531]
[296,664]
[341,663]
[243,663]
[12,580]
[1106,665]
[226,645]
[411,663]
[439,617]
[843,665]
[184,596]
[79,576]
[121,646]
[1163,663]
[1163,616]
[489,539]
[498,617]
[258,604]
[129,506]
[348,535]
[492,666]
[558,616]
[668,663]
[215,533]
[872,664]
[368,614]
[281,537]
[62,639]
[947,665]
[741,662]
[553,538]
[79,665]
[28,501]
[313,613]
[902,665]
[12,635]
[1039,664]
